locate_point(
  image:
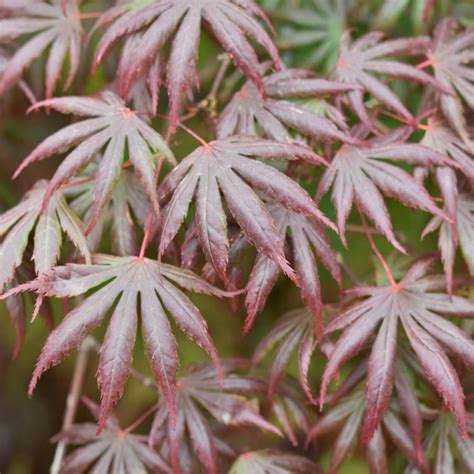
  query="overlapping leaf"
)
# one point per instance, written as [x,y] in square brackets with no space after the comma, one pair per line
[53,27]
[416,305]
[451,452]
[452,59]
[119,282]
[224,170]
[347,416]
[17,224]
[276,115]
[271,461]
[360,61]
[128,207]
[358,174]
[447,244]
[157,22]
[114,450]
[114,128]
[199,389]
[303,234]
[441,138]
[294,330]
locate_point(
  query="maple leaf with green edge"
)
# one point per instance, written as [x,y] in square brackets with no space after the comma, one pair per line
[112,127]
[128,206]
[225,170]
[314,32]
[450,451]
[268,461]
[416,304]
[452,59]
[360,175]
[157,22]
[303,234]
[276,115]
[114,450]
[347,417]
[119,281]
[447,244]
[294,330]
[18,223]
[440,137]
[53,27]
[199,389]
[359,62]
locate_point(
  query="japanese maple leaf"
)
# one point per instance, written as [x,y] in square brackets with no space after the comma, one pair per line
[452,61]
[200,393]
[294,331]
[359,61]
[465,237]
[53,27]
[314,31]
[269,461]
[145,92]
[4,60]
[451,452]
[288,407]
[128,206]
[158,21]
[416,305]
[276,115]
[224,170]
[112,127]
[303,234]
[114,450]
[441,138]
[347,417]
[120,281]
[359,174]
[18,223]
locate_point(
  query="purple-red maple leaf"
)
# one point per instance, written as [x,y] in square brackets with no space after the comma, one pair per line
[119,282]
[225,170]
[158,21]
[305,238]
[277,115]
[447,244]
[361,61]
[416,304]
[269,461]
[127,209]
[115,450]
[199,394]
[360,174]
[348,416]
[452,60]
[112,127]
[53,27]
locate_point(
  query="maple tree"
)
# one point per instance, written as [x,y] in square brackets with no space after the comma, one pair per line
[176,160]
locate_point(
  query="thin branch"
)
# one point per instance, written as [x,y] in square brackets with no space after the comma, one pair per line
[72,402]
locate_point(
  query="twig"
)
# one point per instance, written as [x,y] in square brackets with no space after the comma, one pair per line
[72,402]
